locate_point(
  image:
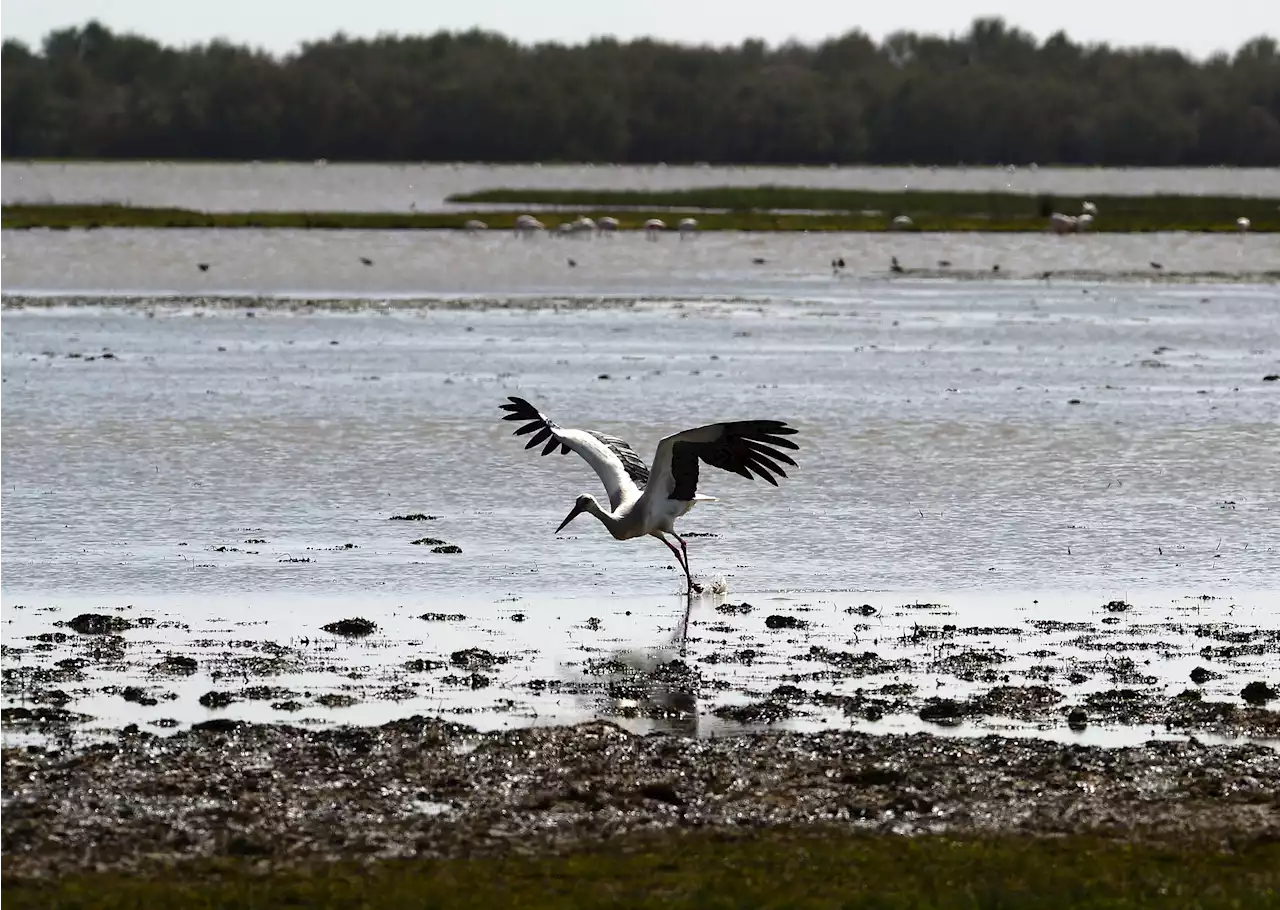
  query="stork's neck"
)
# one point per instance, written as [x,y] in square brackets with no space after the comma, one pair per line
[607,518]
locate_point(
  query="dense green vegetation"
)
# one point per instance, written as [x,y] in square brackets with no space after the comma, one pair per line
[772,869]
[992,95]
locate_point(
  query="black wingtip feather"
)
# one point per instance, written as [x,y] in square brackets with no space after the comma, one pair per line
[539,439]
[748,448]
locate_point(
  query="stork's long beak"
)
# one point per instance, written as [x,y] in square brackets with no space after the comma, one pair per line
[577,510]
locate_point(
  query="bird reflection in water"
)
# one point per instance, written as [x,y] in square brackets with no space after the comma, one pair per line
[652,689]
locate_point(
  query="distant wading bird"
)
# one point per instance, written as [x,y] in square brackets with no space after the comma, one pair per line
[648,500]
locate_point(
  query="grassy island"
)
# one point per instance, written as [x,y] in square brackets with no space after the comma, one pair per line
[764,208]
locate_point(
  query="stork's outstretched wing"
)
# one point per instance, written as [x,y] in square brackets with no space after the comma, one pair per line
[621,469]
[746,447]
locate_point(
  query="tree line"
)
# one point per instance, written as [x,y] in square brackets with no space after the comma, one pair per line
[994,95]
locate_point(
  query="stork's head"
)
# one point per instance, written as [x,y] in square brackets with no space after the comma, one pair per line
[584,504]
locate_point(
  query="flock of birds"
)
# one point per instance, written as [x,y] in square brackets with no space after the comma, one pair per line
[1078,224]
[646,500]
[528,225]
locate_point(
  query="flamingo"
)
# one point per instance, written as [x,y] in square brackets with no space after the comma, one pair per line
[1084,222]
[1089,208]
[687,226]
[648,500]
[607,224]
[526,225]
[474,225]
[902,223]
[1243,225]
[653,226]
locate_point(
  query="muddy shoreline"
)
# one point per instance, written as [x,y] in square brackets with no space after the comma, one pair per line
[426,788]
[1116,678]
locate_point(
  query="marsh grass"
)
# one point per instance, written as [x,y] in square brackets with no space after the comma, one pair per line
[809,868]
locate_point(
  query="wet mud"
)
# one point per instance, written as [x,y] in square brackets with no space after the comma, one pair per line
[426,787]
[727,667]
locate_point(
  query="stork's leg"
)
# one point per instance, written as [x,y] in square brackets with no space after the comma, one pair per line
[685,550]
[679,557]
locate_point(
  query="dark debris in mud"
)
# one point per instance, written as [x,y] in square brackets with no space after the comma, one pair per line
[442,617]
[475,659]
[97,624]
[177,664]
[289,795]
[760,712]
[352,628]
[1028,703]
[1259,693]
[44,719]
[216,699]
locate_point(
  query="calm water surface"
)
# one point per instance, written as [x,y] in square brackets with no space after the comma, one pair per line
[1009,450]
[765,266]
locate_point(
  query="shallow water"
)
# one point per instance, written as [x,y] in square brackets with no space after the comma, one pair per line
[768,266]
[381,187]
[213,472]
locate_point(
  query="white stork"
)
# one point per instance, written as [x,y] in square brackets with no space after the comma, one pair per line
[648,500]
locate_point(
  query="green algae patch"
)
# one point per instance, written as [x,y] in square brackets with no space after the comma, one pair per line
[774,868]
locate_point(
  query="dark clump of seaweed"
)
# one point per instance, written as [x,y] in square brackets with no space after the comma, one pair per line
[98,624]
[352,628]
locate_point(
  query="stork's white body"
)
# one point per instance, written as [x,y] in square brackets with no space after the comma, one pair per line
[633,512]
[648,500]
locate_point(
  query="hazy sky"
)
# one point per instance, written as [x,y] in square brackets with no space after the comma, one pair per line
[280,25]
